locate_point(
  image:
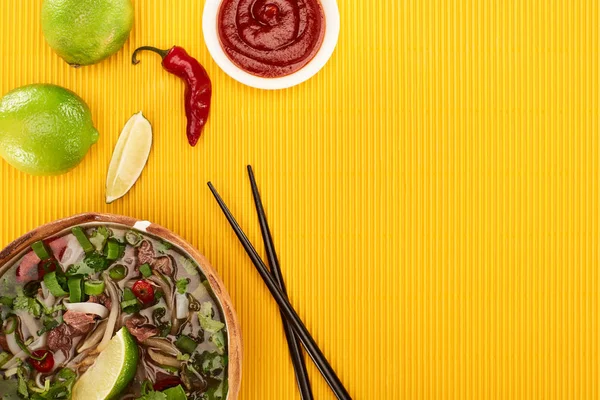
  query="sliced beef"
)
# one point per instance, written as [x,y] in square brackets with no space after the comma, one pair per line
[145,253]
[80,323]
[59,338]
[164,265]
[138,326]
[101,299]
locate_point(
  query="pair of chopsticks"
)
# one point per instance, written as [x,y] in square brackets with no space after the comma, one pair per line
[294,327]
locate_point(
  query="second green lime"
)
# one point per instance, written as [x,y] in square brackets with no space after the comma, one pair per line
[84,32]
[45,129]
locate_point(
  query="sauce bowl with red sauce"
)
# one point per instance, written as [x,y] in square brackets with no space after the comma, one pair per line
[271,44]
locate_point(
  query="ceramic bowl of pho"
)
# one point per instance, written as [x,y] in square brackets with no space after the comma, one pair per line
[100,306]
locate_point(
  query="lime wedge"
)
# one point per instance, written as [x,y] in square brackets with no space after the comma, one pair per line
[129,157]
[111,373]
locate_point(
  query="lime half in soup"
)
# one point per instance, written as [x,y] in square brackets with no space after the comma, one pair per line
[106,311]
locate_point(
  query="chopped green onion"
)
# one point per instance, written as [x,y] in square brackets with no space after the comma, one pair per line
[118,272]
[93,288]
[186,344]
[122,248]
[13,326]
[40,250]
[133,238]
[112,252]
[130,306]
[145,270]
[6,301]
[83,240]
[51,282]
[75,289]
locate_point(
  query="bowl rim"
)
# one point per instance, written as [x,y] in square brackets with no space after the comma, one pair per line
[47,230]
[211,38]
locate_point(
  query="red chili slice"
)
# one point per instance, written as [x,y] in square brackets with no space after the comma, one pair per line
[144,291]
[166,383]
[44,362]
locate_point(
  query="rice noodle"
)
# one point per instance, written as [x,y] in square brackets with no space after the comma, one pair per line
[11,340]
[162,359]
[166,287]
[28,322]
[94,337]
[182,305]
[22,355]
[87,308]
[47,298]
[114,313]
[163,345]
[73,253]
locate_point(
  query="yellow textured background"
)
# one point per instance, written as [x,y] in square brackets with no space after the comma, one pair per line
[433,191]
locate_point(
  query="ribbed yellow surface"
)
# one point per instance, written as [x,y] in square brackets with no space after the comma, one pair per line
[433,191]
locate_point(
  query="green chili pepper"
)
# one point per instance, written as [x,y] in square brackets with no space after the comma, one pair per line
[93,288]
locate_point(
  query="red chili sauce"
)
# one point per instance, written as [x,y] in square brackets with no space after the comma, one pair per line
[271,38]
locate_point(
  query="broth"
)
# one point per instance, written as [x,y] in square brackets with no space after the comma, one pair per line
[65,299]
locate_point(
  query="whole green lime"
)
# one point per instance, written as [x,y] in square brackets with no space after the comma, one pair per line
[84,32]
[45,129]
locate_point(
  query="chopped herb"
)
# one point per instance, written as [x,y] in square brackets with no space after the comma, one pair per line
[97,262]
[99,237]
[22,388]
[163,247]
[6,301]
[49,324]
[32,306]
[182,285]
[205,316]
[157,316]
[4,357]
[189,266]
[183,357]
[211,364]
[218,340]
[152,395]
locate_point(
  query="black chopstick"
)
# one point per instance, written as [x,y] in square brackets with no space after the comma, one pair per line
[287,309]
[293,342]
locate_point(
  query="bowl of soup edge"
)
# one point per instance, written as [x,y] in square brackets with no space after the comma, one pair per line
[234,343]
